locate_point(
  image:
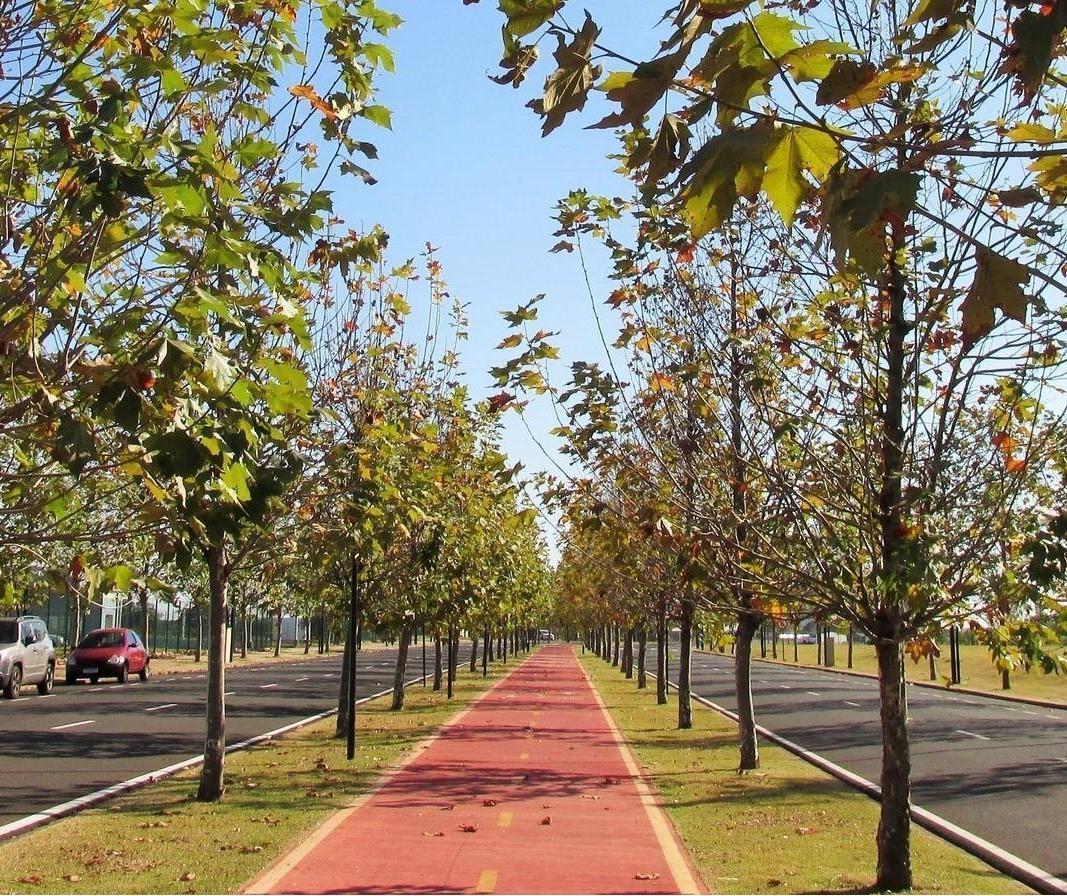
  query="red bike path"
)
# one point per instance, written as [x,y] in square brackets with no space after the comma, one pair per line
[530,790]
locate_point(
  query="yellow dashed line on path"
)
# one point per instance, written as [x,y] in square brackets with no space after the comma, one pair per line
[503,822]
[486,882]
[524,755]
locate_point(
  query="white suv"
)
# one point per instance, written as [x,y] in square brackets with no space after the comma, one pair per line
[27,655]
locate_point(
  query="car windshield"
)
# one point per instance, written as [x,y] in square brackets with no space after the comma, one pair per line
[9,631]
[101,639]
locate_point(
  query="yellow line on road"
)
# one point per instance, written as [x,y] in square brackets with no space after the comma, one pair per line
[504,821]
[486,882]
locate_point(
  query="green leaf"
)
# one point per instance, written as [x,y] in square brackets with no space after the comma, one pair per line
[526,16]
[998,283]
[798,150]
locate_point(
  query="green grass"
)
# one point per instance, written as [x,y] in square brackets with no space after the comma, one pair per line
[979,673]
[160,840]
[788,828]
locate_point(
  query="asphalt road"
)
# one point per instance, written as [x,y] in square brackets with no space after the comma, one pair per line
[84,737]
[993,767]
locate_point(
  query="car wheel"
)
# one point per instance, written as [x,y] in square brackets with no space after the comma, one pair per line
[144,672]
[15,684]
[45,685]
[72,678]
[123,672]
[94,679]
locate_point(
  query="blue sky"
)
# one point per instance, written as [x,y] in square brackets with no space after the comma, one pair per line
[465,168]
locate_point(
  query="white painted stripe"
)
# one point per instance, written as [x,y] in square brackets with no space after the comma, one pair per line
[163,706]
[813,694]
[263,686]
[850,703]
[72,725]
[972,734]
[305,678]
[788,687]
[229,693]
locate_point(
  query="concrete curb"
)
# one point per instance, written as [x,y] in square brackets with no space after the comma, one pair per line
[72,807]
[1034,877]
[955,689]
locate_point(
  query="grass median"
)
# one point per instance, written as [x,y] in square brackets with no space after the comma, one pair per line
[160,840]
[787,828]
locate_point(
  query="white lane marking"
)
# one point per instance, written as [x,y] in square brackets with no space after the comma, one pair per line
[262,686]
[850,703]
[162,706]
[788,687]
[972,734]
[1027,712]
[19,699]
[45,696]
[813,694]
[229,693]
[305,678]
[112,687]
[1061,759]
[72,725]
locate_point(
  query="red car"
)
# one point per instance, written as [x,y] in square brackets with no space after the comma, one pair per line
[108,653]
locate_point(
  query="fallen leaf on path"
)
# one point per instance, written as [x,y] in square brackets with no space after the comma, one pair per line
[469,828]
[489,803]
[546,805]
[433,833]
[647,875]
[610,781]
[447,808]
[546,820]
[590,796]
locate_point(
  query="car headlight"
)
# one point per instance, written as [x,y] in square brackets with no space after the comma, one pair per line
[116,660]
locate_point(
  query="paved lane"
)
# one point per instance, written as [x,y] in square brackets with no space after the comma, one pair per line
[995,768]
[85,737]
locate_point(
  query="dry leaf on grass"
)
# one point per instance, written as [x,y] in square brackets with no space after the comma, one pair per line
[30,879]
[189,875]
[73,878]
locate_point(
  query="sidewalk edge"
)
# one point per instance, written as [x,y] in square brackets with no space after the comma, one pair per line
[686,876]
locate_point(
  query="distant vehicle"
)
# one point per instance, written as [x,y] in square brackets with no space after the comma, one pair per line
[545,635]
[805,639]
[27,655]
[108,653]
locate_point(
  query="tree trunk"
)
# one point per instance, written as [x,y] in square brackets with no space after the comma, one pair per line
[661,659]
[211,773]
[401,666]
[796,641]
[1005,679]
[307,636]
[642,646]
[474,654]
[144,615]
[487,649]
[628,653]
[341,729]
[851,641]
[894,824]
[685,701]
[451,661]
[438,668]
[774,639]
[746,715]
[355,614]
[244,632]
